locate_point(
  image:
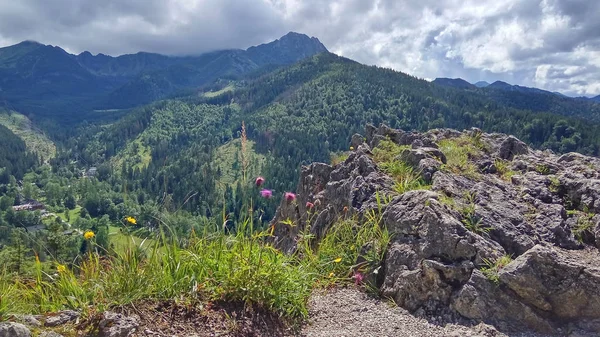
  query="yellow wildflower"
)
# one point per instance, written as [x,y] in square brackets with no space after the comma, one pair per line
[331,275]
[88,235]
[338,260]
[131,220]
[351,148]
[61,268]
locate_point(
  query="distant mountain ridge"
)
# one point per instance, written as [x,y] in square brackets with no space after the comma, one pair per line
[454,82]
[42,79]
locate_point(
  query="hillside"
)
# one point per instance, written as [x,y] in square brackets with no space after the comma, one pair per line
[296,115]
[35,140]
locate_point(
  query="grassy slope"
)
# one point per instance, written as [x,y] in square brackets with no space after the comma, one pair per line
[228,154]
[210,94]
[34,138]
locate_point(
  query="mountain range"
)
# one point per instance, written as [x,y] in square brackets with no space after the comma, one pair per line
[500,85]
[42,79]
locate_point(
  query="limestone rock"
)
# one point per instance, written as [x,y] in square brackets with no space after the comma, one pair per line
[536,207]
[117,325]
[61,318]
[14,330]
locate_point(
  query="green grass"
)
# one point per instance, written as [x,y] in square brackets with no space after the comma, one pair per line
[73,214]
[459,152]
[214,266]
[35,140]
[492,269]
[585,224]
[122,241]
[338,157]
[211,94]
[504,170]
[406,177]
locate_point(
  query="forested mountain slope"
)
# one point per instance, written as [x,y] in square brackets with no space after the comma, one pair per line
[302,113]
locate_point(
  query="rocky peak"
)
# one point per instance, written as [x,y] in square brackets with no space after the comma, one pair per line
[485,229]
[290,48]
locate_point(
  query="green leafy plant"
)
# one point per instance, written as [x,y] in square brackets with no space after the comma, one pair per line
[585,224]
[470,219]
[554,186]
[542,169]
[491,269]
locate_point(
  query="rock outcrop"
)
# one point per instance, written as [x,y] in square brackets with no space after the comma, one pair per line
[535,210]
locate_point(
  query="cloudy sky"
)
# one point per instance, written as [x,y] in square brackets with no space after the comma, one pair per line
[551,44]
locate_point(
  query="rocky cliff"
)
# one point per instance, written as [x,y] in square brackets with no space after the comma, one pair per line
[491,231]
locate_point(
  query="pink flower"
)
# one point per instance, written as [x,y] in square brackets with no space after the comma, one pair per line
[310,205]
[259,181]
[267,194]
[289,196]
[358,277]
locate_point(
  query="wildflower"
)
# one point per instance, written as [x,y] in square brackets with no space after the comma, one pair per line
[309,205]
[331,275]
[351,148]
[259,181]
[358,277]
[267,194]
[88,235]
[338,260]
[131,220]
[61,268]
[345,209]
[289,196]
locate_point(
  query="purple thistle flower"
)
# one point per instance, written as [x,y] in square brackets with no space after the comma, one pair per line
[309,205]
[267,194]
[289,196]
[259,181]
[358,277]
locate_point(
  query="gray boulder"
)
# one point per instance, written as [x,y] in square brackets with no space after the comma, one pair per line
[117,325]
[61,318]
[9,329]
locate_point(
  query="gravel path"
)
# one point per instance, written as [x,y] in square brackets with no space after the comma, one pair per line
[349,312]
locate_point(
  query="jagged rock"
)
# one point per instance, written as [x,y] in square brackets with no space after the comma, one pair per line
[350,187]
[539,290]
[512,147]
[356,140]
[535,206]
[117,325]
[61,318]
[10,329]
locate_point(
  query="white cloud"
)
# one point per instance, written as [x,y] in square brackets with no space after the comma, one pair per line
[552,44]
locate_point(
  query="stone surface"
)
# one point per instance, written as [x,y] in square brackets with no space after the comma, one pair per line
[536,207]
[29,320]
[117,325]
[61,318]
[14,330]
